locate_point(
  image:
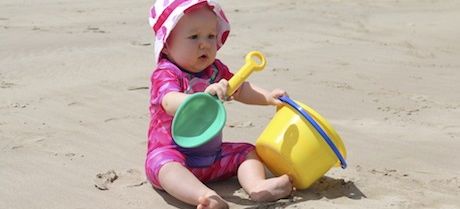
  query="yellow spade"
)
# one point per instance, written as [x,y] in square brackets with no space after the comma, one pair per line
[251,65]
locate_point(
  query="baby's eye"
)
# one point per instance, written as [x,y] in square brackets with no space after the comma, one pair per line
[211,36]
[193,37]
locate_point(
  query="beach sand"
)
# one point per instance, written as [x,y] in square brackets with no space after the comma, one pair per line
[74,78]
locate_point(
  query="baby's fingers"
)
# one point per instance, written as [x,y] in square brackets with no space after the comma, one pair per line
[215,91]
[222,89]
[278,93]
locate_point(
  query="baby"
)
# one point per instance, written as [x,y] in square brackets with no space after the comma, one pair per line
[188,34]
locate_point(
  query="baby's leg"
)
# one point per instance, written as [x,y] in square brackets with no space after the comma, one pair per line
[251,175]
[179,182]
[165,170]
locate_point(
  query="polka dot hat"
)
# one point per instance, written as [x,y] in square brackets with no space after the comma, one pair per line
[165,14]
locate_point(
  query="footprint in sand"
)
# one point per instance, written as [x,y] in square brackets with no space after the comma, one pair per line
[138,43]
[111,179]
[94,29]
[337,84]
[104,180]
[241,124]
[388,172]
[5,85]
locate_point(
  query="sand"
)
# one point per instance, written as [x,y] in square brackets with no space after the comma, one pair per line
[74,78]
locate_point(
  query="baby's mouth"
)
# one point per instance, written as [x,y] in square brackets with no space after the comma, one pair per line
[203,57]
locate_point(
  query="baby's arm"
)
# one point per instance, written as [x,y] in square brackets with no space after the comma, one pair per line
[250,94]
[172,100]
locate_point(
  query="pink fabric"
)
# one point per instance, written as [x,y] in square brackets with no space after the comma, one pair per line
[166,13]
[232,155]
[166,78]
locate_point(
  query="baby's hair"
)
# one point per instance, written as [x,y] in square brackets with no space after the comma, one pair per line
[198,6]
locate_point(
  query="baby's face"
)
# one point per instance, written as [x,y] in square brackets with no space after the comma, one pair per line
[193,42]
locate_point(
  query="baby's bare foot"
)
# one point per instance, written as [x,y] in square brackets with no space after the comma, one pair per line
[272,189]
[211,201]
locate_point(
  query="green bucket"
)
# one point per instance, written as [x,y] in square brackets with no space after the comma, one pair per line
[199,119]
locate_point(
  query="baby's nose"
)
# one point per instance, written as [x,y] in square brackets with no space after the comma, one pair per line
[204,44]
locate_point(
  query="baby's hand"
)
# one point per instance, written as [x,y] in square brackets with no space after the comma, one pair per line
[274,95]
[219,89]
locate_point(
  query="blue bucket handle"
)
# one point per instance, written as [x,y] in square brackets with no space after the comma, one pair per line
[326,138]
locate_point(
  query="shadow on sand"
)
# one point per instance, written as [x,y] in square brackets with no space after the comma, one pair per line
[326,187]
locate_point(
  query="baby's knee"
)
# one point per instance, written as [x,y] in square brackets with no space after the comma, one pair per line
[157,159]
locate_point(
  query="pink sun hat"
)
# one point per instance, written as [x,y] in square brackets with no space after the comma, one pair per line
[165,14]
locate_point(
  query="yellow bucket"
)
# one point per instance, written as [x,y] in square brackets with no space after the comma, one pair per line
[300,143]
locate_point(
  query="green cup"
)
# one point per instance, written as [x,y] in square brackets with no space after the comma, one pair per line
[199,119]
